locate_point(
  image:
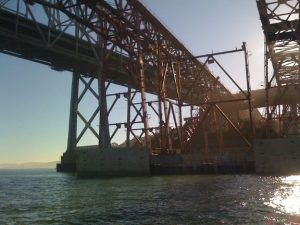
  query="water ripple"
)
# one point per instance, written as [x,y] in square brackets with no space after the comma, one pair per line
[45,197]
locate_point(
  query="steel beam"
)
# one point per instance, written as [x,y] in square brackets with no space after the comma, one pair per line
[281,27]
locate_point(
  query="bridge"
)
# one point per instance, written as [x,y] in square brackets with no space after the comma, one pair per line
[280,22]
[121,42]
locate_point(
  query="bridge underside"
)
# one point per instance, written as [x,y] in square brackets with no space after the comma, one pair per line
[195,121]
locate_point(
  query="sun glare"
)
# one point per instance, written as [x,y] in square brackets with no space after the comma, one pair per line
[287,198]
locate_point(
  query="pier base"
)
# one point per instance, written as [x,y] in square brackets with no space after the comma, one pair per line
[92,161]
[195,164]
[277,156]
[68,162]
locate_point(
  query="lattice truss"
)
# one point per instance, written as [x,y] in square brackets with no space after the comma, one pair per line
[117,42]
[280,22]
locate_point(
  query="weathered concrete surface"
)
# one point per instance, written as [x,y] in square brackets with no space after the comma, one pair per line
[67,163]
[234,160]
[277,156]
[91,161]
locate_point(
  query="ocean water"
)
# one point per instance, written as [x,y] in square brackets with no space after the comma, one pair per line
[46,197]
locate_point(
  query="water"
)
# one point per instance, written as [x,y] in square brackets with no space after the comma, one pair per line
[46,197]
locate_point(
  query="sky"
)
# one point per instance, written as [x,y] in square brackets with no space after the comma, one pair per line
[34,100]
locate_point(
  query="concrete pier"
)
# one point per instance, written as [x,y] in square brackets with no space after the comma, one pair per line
[277,156]
[196,164]
[91,161]
[67,163]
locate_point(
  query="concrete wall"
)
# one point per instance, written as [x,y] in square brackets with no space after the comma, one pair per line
[280,156]
[232,156]
[92,161]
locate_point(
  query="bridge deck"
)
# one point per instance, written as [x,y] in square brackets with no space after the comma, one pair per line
[69,54]
[20,37]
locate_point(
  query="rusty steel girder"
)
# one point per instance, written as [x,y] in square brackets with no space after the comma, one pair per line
[121,42]
[129,26]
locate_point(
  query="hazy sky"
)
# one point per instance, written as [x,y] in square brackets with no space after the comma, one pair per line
[34,100]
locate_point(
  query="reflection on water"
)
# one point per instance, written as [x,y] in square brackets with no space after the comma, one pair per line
[286,198]
[45,197]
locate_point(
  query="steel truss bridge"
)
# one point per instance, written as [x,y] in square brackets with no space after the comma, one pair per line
[121,42]
[280,23]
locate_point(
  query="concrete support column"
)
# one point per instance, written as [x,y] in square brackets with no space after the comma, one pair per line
[68,159]
[72,135]
[104,136]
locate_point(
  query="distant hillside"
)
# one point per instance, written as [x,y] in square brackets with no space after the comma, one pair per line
[29,165]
